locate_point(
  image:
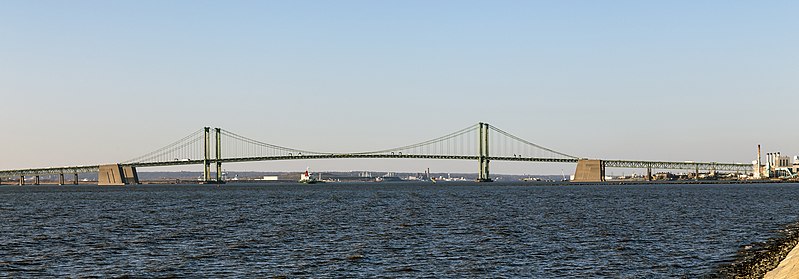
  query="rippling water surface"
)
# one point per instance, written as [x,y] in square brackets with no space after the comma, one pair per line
[388,229]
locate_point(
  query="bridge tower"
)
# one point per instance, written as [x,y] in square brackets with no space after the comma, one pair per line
[218,133]
[482,158]
[207,155]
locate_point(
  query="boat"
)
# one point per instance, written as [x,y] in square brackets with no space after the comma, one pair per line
[306,178]
[388,177]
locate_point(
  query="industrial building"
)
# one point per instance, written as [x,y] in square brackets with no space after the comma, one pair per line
[776,166]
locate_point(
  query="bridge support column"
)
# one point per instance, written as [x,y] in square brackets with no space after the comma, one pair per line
[110,175]
[36,180]
[21,180]
[218,155]
[483,175]
[648,174]
[60,179]
[589,171]
[207,157]
[116,175]
[130,175]
[75,179]
[696,174]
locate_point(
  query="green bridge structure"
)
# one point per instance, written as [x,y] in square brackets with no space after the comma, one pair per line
[480,142]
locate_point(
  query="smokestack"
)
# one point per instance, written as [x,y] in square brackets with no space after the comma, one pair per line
[759,171]
[768,160]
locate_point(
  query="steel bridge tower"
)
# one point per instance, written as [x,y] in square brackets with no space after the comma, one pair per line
[207,155]
[482,158]
[218,155]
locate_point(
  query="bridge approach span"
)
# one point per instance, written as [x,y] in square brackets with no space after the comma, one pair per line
[480,142]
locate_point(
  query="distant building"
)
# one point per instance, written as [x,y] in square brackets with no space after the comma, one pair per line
[777,165]
[665,176]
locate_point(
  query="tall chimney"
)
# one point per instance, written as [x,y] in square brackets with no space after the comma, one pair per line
[771,160]
[759,170]
[768,161]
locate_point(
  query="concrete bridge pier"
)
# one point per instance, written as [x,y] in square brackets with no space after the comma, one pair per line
[589,171]
[60,179]
[36,180]
[75,180]
[116,175]
[648,174]
[21,180]
[130,175]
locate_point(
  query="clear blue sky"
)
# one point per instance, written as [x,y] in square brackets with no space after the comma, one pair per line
[86,82]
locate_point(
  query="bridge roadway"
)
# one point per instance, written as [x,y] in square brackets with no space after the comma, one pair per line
[607,163]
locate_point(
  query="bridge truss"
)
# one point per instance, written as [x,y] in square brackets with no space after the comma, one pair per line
[480,142]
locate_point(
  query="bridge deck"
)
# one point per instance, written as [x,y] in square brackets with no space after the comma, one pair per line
[607,163]
[49,171]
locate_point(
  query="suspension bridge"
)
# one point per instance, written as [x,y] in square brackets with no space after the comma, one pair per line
[480,142]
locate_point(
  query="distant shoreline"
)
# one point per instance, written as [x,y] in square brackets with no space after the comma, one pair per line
[503,183]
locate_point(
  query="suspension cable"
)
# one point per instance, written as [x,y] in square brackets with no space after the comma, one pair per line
[530,143]
[168,148]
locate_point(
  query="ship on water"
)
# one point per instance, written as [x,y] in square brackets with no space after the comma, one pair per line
[388,177]
[306,177]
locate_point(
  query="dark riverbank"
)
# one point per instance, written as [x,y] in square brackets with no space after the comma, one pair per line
[755,260]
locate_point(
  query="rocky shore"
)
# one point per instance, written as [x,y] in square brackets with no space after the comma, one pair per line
[788,268]
[755,260]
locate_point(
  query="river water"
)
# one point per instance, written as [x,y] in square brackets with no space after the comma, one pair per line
[385,229]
